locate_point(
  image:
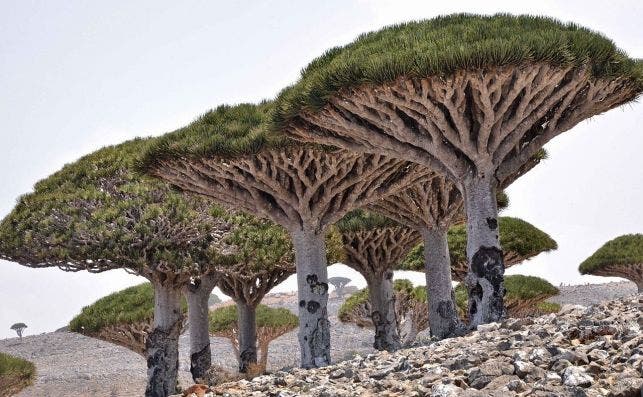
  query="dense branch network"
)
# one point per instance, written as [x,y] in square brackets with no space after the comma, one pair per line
[297,186]
[490,120]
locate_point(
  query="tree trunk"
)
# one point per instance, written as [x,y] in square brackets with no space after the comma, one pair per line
[163,342]
[247,336]
[312,285]
[485,278]
[197,296]
[382,298]
[443,316]
[639,285]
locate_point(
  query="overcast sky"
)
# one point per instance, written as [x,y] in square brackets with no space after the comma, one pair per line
[78,75]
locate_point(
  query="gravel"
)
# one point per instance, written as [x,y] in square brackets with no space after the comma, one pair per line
[70,364]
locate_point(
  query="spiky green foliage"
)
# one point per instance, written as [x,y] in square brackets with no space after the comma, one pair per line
[445,44]
[362,296]
[15,374]
[97,214]
[225,318]
[225,132]
[128,306]
[623,250]
[519,239]
[359,219]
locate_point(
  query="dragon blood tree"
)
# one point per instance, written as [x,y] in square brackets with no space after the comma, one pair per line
[231,156]
[471,97]
[410,305]
[525,296]
[271,323]
[97,214]
[374,245]
[520,240]
[621,257]
[260,257]
[431,208]
[124,317]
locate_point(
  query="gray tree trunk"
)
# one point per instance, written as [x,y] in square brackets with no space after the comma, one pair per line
[247,336]
[485,279]
[312,285]
[383,315]
[639,285]
[197,296]
[443,315]
[163,342]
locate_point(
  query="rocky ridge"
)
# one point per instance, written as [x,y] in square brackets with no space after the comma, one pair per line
[580,351]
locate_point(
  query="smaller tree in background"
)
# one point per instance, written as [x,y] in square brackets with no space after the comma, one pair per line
[271,323]
[620,257]
[123,318]
[19,327]
[339,283]
[411,314]
[526,296]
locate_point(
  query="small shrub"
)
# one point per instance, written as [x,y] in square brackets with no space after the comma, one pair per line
[15,374]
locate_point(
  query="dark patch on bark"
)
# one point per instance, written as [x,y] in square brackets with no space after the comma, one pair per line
[246,358]
[320,343]
[312,306]
[476,291]
[492,223]
[302,303]
[316,287]
[487,264]
[200,362]
[158,366]
[389,275]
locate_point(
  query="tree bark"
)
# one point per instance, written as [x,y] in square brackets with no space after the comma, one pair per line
[383,314]
[312,285]
[163,342]
[485,278]
[197,296]
[247,335]
[443,315]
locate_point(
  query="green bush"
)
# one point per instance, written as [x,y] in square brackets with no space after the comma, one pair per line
[15,374]
[623,250]
[225,318]
[131,305]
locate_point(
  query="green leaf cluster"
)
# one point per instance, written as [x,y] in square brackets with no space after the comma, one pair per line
[516,235]
[15,373]
[443,45]
[360,219]
[623,250]
[361,297]
[226,318]
[129,306]
[98,213]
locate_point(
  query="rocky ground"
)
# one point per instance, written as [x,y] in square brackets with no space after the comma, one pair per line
[581,351]
[70,364]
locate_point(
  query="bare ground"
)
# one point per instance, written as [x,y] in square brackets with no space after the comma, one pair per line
[69,364]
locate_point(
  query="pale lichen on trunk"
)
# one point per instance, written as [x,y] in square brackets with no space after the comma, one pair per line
[312,284]
[197,294]
[382,296]
[163,342]
[485,280]
[443,316]
[247,336]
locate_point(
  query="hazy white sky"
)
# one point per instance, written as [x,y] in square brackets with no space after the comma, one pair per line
[78,75]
